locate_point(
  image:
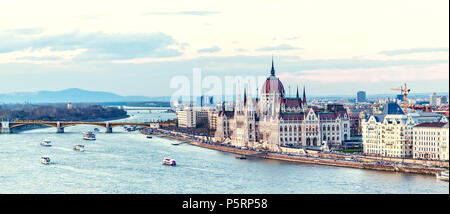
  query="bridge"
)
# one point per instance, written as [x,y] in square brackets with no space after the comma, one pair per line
[60,125]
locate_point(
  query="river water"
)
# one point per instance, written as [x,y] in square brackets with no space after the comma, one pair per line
[128,162]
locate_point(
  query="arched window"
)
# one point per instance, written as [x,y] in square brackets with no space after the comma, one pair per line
[328,128]
[281,129]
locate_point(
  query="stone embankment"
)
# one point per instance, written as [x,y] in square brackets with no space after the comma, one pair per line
[323,161]
[329,159]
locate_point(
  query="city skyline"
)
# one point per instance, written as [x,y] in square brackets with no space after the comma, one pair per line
[136,48]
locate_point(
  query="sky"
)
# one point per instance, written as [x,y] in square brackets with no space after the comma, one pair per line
[137,47]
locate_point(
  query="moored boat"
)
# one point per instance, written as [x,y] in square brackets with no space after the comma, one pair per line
[46,143]
[241,157]
[169,162]
[149,137]
[45,160]
[443,175]
[78,148]
[89,136]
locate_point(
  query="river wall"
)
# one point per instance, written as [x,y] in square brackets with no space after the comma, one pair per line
[318,158]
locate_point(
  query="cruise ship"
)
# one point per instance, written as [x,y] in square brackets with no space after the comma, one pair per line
[46,143]
[443,175]
[45,160]
[78,148]
[89,136]
[169,162]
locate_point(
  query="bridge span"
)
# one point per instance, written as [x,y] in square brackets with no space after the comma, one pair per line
[60,125]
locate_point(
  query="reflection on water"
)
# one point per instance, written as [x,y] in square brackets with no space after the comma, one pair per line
[124,162]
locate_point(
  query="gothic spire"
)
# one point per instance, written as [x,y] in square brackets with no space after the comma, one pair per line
[304,96]
[245,97]
[272,72]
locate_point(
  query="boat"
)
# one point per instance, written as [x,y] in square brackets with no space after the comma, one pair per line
[96,129]
[149,137]
[46,143]
[241,157]
[89,136]
[175,144]
[78,148]
[443,175]
[45,160]
[169,162]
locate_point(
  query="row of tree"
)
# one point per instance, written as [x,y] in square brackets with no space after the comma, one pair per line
[60,113]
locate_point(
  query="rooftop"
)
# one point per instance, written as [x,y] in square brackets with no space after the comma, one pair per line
[431,125]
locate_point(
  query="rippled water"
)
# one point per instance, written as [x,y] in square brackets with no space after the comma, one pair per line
[124,162]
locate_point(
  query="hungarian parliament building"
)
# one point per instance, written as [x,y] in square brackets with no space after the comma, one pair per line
[274,120]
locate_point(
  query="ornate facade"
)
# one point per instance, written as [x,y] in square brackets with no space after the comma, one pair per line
[274,120]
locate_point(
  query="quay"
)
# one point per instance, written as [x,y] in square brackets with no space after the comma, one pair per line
[358,161]
[323,161]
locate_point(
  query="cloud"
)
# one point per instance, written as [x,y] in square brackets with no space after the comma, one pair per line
[191,13]
[413,50]
[213,49]
[282,47]
[372,75]
[27,31]
[98,46]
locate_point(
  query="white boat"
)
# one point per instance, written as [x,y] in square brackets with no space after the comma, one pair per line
[89,136]
[45,160]
[78,148]
[443,175]
[46,143]
[169,162]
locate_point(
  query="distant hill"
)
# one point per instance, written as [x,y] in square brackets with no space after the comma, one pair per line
[73,95]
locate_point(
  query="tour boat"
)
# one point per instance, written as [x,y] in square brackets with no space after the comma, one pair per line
[241,157]
[169,162]
[443,175]
[46,143]
[78,148]
[89,136]
[45,160]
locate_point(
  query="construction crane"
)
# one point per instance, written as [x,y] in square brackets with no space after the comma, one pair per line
[405,92]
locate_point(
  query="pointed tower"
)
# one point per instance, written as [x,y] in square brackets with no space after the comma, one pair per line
[304,97]
[272,71]
[298,98]
[250,104]
[245,97]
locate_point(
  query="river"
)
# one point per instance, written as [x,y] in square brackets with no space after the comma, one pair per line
[128,162]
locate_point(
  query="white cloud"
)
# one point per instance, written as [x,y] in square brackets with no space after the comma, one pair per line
[40,56]
[373,75]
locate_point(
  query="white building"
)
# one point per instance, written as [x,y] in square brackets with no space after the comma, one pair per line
[431,141]
[192,117]
[186,118]
[391,133]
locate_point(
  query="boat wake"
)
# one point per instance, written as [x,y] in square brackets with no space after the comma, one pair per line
[85,171]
